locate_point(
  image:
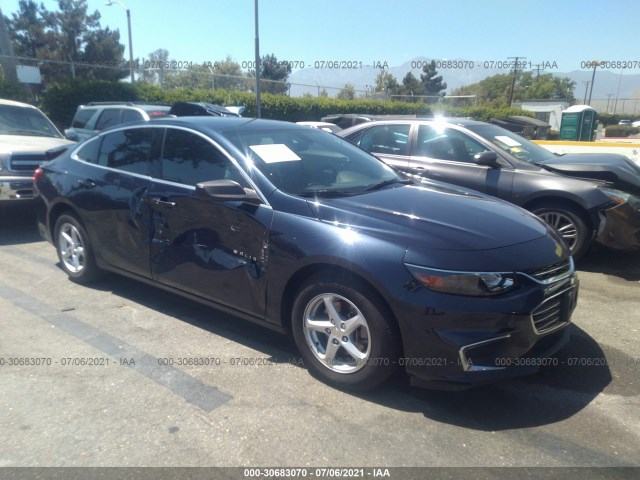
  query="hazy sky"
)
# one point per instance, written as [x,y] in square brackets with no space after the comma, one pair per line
[564,32]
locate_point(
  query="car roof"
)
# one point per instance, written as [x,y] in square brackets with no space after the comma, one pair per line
[221,124]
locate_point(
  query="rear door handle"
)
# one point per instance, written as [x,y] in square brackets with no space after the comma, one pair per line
[88,183]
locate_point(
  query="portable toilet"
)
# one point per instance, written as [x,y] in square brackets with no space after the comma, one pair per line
[578,123]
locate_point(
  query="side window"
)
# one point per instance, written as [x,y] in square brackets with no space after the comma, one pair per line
[127,150]
[109,117]
[388,139]
[90,151]
[189,159]
[82,117]
[131,116]
[447,144]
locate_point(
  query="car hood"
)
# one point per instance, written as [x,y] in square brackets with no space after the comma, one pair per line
[617,170]
[433,215]
[29,144]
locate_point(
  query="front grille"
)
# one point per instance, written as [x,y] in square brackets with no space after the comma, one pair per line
[551,271]
[555,311]
[26,162]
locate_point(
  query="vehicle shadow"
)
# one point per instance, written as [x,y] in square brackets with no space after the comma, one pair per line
[18,225]
[625,265]
[555,393]
[582,370]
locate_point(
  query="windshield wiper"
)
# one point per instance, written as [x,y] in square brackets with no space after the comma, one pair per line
[385,183]
[327,193]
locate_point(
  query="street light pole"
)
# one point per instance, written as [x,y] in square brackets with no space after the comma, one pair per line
[110,3]
[258,111]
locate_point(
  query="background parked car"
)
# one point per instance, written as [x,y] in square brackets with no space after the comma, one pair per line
[326,126]
[584,196]
[97,116]
[26,134]
[302,232]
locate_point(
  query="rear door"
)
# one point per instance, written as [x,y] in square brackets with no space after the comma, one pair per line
[112,196]
[213,249]
[446,154]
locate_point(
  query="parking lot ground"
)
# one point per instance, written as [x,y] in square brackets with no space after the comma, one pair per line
[121,374]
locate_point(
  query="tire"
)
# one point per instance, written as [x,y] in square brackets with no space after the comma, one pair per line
[570,224]
[345,337]
[74,250]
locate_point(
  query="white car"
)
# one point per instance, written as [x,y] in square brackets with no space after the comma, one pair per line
[26,134]
[326,126]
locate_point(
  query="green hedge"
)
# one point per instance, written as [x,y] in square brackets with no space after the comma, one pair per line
[611,119]
[61,101]
[620,131]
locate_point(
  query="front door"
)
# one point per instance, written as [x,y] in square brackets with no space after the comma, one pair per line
[216,250]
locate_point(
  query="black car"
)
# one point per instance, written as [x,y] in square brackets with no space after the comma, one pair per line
[302,232]
[584,196]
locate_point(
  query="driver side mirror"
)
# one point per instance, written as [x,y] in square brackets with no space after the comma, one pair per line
[225,191]
[71,134]
[488,158]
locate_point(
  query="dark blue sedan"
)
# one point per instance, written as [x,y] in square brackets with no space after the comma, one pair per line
[300,231]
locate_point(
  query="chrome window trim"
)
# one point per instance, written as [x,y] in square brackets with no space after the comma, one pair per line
[74,156]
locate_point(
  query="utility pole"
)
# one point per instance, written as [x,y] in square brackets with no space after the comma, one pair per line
[593,77]
[586,89]
[516,64]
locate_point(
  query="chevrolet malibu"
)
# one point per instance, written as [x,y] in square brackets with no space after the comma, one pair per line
[299,231]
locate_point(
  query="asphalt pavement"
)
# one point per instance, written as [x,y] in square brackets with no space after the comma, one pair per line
[121,374]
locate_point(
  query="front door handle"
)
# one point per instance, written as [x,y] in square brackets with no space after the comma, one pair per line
[162,202]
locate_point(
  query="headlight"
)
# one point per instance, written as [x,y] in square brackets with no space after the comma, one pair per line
[615,195]
[474,284]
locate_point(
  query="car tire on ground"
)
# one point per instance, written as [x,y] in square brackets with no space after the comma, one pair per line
[74,250]
[345,336]
[569,222]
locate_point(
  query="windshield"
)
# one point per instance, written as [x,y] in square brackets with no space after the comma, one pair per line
[15,120]
[519,147]
[308,162]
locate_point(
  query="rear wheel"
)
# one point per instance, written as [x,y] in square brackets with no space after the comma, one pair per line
[74,251]
[344,335]
[570,223]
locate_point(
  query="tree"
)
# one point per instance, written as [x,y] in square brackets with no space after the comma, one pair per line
[411,85]
[348,92]
[67,42]
[433,84]
[229,75]
[153,69]
[494,91]
[273,75]
[386,82]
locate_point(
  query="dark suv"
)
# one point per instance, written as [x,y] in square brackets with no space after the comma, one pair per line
[97,116]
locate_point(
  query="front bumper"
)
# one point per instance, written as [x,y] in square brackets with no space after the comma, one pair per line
[619,227]
[463,341]
[16,189]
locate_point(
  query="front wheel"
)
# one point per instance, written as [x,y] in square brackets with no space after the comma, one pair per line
[569,223]
[344,335]
[74,251]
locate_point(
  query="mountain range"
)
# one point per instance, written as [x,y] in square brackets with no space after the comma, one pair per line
[608,84]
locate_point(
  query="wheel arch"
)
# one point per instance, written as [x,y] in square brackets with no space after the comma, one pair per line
[562,201]
[348,276]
